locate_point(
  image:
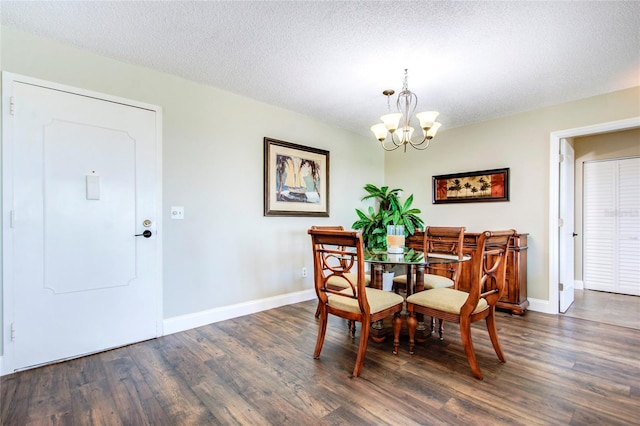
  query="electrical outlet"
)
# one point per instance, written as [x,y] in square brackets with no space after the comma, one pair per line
[304,272]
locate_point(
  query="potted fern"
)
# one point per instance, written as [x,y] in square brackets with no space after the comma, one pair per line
[391,211]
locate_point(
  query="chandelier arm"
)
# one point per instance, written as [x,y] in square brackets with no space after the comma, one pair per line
[389,149]
[397,144]
[419,146]
[425,139]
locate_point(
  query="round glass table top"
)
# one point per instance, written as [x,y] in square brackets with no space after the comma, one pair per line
[410,257]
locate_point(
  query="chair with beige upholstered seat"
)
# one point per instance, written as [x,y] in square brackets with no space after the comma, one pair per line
[339,282]
[336,253]
[450,304]
[438,241]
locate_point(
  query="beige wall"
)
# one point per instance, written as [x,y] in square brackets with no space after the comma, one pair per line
[520,142]
[224,252]
[598,147]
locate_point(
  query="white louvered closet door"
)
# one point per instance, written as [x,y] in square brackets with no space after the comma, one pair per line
[612,225]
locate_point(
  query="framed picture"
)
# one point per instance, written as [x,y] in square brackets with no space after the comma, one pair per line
[471,187]
[296,180]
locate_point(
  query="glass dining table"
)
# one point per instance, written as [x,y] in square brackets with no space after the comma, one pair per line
[414,261]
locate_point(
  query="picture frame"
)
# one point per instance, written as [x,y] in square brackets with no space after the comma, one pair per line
[296,179]
[472,187]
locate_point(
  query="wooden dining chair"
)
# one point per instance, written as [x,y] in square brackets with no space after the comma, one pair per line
[337,283]
[450,304]
[335,254]
[443,241]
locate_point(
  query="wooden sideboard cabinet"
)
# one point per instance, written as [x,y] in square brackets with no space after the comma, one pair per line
[514,297]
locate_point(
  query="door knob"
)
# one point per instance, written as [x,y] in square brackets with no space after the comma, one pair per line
[575,235]
[145,234]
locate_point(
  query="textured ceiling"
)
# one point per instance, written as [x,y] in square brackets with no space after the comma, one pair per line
[472,61]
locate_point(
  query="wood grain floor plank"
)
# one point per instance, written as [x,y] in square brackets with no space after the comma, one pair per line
[51,398]
[132,396]
[247,378]
[20,389]
[92,404]
[171,391]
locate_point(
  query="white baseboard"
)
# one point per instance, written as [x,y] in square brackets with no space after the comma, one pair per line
[579,285]
[543,306]
[198,319]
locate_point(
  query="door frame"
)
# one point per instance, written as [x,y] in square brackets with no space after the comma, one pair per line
[552,306]
[7,361]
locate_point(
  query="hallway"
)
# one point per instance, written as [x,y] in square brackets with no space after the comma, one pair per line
[608,308]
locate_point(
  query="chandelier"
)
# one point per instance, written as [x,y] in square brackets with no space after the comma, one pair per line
[396,126]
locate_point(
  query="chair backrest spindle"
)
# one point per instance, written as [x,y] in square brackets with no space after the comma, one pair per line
[489,266]
[446,240]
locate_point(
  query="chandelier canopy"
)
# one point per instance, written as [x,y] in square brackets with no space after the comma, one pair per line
[396,126]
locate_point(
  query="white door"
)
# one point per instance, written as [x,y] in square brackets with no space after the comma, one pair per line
[612,225]
[84,173]
[566,231]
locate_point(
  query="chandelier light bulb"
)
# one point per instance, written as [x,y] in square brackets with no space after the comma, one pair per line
[431,133]
[427,118]
[380,130]
[391,121]
[404,134]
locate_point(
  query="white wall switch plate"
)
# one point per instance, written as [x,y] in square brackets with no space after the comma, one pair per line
[177,212]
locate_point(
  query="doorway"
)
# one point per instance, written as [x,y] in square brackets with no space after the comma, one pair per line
[554,259]
[81,246]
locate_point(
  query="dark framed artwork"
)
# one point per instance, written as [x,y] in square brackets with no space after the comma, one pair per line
[296,180]
[471,187]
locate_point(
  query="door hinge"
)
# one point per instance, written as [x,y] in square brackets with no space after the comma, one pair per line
[12,219]
[561,286]
[12,105]
[560,222]
[561,158]
[13,331]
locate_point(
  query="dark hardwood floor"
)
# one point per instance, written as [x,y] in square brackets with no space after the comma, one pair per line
[259,370]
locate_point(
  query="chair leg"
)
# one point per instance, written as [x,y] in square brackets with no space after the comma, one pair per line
[465,334]
[412,323]
[397,325]
[362,348]
[493,334]
[317,314]
[352,328]
[441,328]
[322,330]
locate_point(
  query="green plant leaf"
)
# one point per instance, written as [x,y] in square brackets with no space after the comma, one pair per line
[361,215]
[408,202]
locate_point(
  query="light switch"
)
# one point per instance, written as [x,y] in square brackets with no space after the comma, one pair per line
[93,187]
[177,212]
